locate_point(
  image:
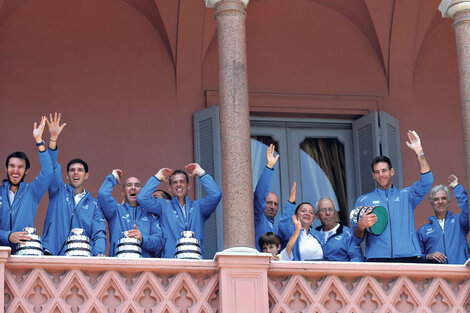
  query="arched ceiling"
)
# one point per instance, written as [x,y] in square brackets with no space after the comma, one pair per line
[395,29]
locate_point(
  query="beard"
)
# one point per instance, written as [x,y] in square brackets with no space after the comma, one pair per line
[12,184]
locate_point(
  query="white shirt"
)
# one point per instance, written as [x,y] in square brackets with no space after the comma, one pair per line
[11,196]
[183,208]
[441,222]
[79,197]
[329,233]
[309,248]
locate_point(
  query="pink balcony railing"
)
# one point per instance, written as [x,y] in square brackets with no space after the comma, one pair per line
[232,282]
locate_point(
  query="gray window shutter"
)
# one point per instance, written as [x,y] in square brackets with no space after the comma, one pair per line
[366,147]
[377,133]
[391,145]
[207,153]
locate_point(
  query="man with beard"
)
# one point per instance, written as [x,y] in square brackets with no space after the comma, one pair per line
[19,200]
[398,242]
[70,206]
[129,217]
[443,239]
[265,202]
[180,213]
[337,239]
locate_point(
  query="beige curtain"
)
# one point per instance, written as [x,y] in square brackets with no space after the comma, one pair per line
[329,155]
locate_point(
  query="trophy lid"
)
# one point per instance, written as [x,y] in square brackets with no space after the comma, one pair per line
[78,231]
[187,234]
[30,230]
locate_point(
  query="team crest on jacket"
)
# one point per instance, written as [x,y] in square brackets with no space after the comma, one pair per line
[429,230]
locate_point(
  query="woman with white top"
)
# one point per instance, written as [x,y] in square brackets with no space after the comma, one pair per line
[307,246]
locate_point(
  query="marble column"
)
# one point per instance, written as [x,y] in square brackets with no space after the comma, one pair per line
[459,11]
[234,123]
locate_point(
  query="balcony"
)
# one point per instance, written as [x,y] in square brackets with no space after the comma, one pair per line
[233,282]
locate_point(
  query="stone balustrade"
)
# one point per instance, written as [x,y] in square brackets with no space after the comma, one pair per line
[232,282]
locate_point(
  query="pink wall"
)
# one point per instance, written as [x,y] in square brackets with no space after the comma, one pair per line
[128,75]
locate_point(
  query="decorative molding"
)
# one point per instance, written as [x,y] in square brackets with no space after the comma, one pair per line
[449,8]
[313,104]
[213,3]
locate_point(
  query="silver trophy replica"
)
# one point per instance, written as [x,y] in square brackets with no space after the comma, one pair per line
[31,247]
[78,244]
[128,247]
[187,247]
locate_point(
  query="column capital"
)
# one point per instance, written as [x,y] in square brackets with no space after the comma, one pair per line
[212,3]
[449,8]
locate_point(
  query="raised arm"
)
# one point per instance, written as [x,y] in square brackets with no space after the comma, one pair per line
[209,203]
[55,129]
[145,198]
[264,184]
[108,204]
[285,227]
[295,235]
[462,199]
[43,180]
[414,143]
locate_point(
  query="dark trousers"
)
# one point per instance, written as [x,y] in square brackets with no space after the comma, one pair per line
[411,259]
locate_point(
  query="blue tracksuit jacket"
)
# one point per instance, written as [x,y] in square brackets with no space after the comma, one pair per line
[122,217]
[263,224]
[287,229]
[22,211]
[341,246]
[173,221]
[399,238]
[453,241]
[63,216]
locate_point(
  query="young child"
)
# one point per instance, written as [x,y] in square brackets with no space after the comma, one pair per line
[270,243]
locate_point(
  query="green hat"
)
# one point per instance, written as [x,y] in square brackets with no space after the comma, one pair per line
[382,220]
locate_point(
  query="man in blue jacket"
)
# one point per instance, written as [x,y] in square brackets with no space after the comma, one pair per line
[398,242]
[180,213]
[129,217]
[337,239]
[265,202]
[70,206]
[444,238]
[19,200]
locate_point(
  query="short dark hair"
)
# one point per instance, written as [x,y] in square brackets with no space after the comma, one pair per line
[165,194]
[269,238]
[179,172]
[298,207]
[18,155]
[381,158]
[73,161]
